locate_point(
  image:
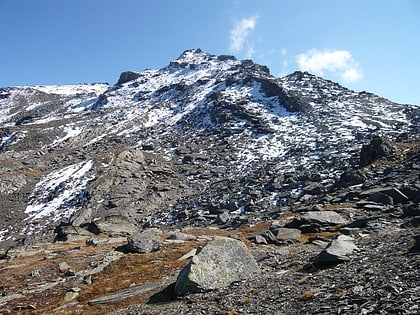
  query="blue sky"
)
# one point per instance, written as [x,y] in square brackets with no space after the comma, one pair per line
[371,45]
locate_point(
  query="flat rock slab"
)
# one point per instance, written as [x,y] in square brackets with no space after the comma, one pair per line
[284,234]
[219,263]
[336,252]
[323,218]
[126,293]
[397,195]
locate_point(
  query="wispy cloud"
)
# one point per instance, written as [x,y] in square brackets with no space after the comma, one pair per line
[240,32]
[339,62]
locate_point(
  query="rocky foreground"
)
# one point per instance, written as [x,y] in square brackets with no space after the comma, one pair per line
[352,250]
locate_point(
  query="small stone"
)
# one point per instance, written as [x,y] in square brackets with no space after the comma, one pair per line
[190,254]
[63,267]
[181,236]
[70,273]
[71,295]
[223,217]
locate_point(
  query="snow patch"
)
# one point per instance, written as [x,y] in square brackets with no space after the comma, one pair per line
[71,130]
[13,138]
[71,90]
[57,195]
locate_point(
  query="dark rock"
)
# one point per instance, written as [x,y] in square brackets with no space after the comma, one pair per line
[376,149]
[358,223]
[350,231]
[310,228]
[416,246]
[353,177]
[70,273]
[128,76]
[396,195]
[219,263]
[381,198]
[144,242]
[412,193]
[411,210]
[411,223]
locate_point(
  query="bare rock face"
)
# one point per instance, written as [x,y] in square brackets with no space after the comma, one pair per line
[128,76]
[220,263]
[376,149]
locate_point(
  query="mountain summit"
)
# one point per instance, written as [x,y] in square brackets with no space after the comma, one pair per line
[176,146]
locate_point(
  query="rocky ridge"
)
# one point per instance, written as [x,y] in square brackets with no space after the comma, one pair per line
[316,179]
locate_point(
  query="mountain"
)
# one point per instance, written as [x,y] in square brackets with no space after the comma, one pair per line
[107,191]
[178,145]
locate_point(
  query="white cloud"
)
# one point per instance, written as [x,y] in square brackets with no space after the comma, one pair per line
[339,62]
[240,32]
[250,52]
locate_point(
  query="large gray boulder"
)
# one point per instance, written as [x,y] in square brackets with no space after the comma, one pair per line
[217,265]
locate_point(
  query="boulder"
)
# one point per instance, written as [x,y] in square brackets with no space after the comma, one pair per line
[287,234]
[396,195]
[353,177]
[381,198]
[376,149]
[217,265]
[413,193]
[336,252]
[127,76]
[144,242]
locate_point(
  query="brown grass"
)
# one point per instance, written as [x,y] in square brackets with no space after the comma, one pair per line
[131,269]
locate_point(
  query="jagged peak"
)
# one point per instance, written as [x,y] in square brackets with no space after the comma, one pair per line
[195,57]
[304,78]
[300,75]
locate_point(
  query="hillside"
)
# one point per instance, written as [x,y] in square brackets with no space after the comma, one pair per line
[208,145]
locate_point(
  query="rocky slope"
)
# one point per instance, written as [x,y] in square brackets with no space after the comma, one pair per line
[285,164]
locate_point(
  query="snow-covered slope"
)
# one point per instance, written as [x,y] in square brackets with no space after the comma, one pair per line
[162,146]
